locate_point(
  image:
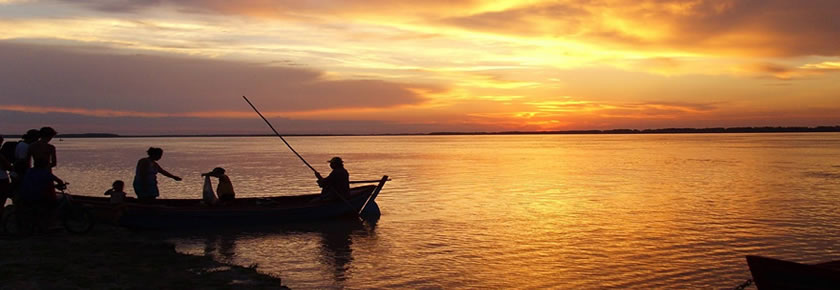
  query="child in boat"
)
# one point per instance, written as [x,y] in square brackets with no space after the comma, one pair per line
[225,188]
[116,192]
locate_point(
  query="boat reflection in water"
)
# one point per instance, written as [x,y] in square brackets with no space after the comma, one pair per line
[223,245]
[304,255]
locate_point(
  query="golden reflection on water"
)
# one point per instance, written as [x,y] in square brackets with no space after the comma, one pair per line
[523,211]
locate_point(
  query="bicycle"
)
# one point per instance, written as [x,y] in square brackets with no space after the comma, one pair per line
[24,220]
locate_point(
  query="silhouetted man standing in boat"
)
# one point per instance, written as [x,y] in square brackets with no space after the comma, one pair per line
[338,182]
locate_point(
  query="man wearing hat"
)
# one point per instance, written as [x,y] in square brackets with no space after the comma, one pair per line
[338,182]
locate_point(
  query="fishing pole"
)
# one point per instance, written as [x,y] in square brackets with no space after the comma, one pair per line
[281,137]
[358,215]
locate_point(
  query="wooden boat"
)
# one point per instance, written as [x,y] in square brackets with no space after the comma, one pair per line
[769,273]
[192,213]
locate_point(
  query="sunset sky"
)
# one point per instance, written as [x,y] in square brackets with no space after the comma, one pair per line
[379,66]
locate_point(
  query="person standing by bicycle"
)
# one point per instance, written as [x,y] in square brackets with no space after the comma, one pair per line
[5,183]
[37,191]
[38,181]
[20,158]
[42,152]
[36,198]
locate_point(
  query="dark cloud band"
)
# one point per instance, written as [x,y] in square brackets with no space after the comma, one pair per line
[34,75]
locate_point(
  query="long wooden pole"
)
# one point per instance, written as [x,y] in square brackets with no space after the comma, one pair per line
[298,155]
[281,137]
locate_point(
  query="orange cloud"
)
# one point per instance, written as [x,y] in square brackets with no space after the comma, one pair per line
[783,72]
[577,114]
[278,8]
[825,66]
[771,27]
[739,27]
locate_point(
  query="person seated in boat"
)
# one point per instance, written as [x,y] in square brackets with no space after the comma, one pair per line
[337,183]
[117,198]
[225,188]
[145,176]
[116,192]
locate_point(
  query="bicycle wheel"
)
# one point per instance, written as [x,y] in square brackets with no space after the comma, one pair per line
[77,220]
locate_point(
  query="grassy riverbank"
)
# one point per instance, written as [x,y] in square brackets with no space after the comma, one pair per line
[114,258]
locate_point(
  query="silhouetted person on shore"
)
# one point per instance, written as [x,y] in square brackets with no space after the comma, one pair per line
[7,150]
[5,182]
[21,162]
[145,176]
[338,182]
[225,188]
[36,196]
[42,152]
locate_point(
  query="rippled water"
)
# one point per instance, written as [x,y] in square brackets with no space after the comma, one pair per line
[523,211]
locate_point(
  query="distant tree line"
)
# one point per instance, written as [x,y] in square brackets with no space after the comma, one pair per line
[611,131]
[662,131]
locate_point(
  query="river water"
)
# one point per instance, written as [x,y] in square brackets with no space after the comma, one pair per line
[512,211]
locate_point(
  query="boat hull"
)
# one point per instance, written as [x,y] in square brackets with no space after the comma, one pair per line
[192,213]
[769,273]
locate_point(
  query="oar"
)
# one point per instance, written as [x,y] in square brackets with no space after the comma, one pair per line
[298,155]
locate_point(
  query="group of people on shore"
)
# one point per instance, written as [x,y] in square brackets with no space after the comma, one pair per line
[26,170]
[26,174]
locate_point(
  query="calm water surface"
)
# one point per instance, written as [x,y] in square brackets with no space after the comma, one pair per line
[527,211]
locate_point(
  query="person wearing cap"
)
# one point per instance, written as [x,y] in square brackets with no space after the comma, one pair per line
[338,182]
[225,188]
[42,152]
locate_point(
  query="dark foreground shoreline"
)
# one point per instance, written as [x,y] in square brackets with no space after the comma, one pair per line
[115,258]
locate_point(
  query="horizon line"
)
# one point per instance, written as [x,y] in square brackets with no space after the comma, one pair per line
[708,130]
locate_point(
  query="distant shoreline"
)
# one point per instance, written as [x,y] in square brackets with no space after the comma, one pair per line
[715,130]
